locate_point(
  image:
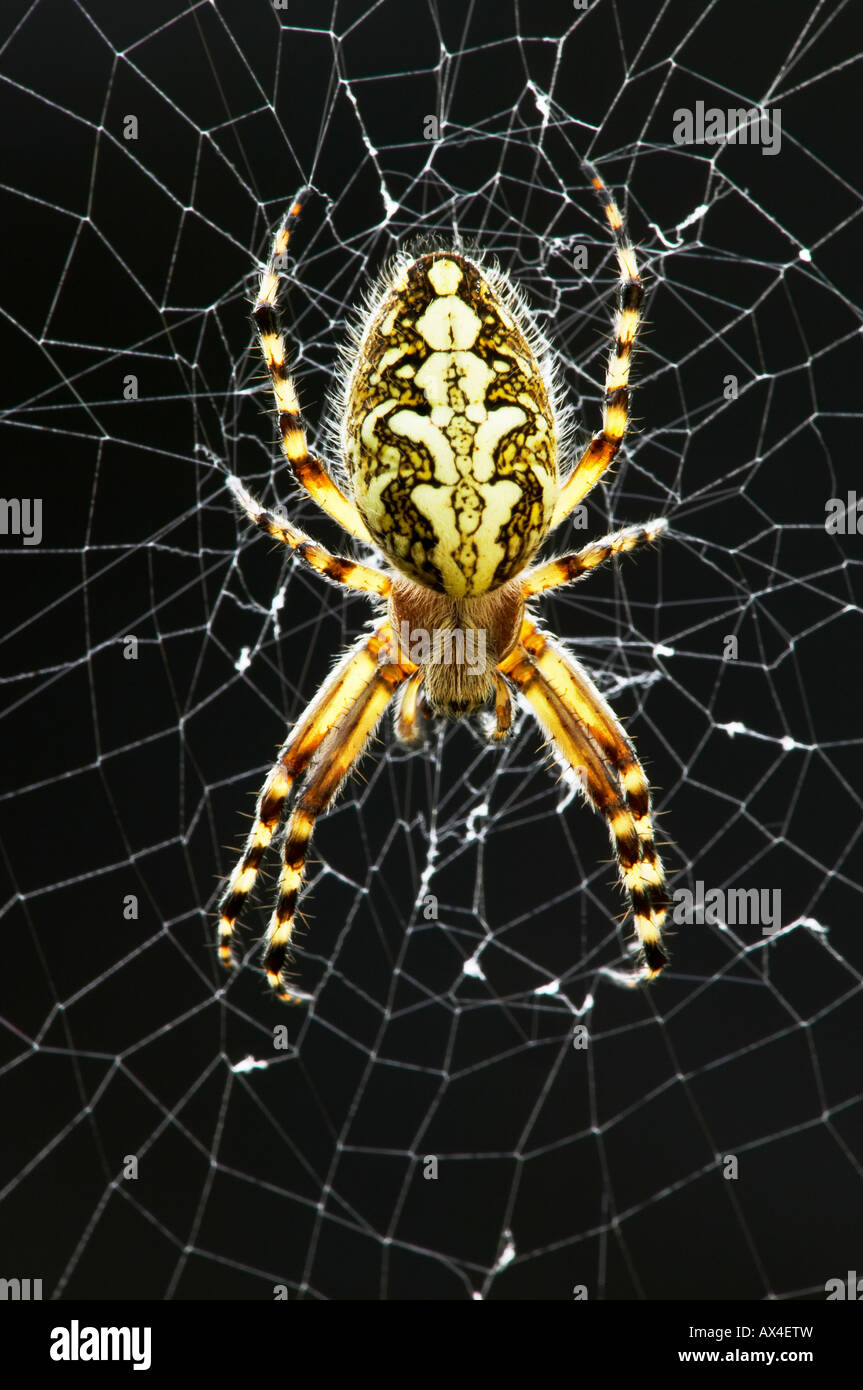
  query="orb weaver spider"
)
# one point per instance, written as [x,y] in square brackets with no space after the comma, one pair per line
[450,433]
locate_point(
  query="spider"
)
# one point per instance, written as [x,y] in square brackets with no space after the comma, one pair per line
[450,434]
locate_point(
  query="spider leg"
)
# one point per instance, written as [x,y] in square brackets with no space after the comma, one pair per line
[562,571]
[590,740]
[412,711]
[348,682]
[309,472]
[349,573]
[336,756]
[502,710]
[573,685]
[604,446]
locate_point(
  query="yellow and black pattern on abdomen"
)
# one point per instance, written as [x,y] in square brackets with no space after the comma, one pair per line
[449,433]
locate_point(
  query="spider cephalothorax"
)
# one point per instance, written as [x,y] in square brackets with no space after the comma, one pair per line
[450,434]
[457,642]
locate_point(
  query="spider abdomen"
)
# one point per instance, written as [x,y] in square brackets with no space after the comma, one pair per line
[449,435]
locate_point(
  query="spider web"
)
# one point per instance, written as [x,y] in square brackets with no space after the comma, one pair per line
[475,1104]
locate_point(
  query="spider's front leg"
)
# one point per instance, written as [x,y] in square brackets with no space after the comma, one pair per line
[336,755]
[590,740]
[347,685]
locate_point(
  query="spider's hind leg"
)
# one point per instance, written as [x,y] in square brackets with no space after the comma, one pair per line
[309,471]
[605,444]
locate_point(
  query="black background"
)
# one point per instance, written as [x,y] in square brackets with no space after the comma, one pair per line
[602,1167]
